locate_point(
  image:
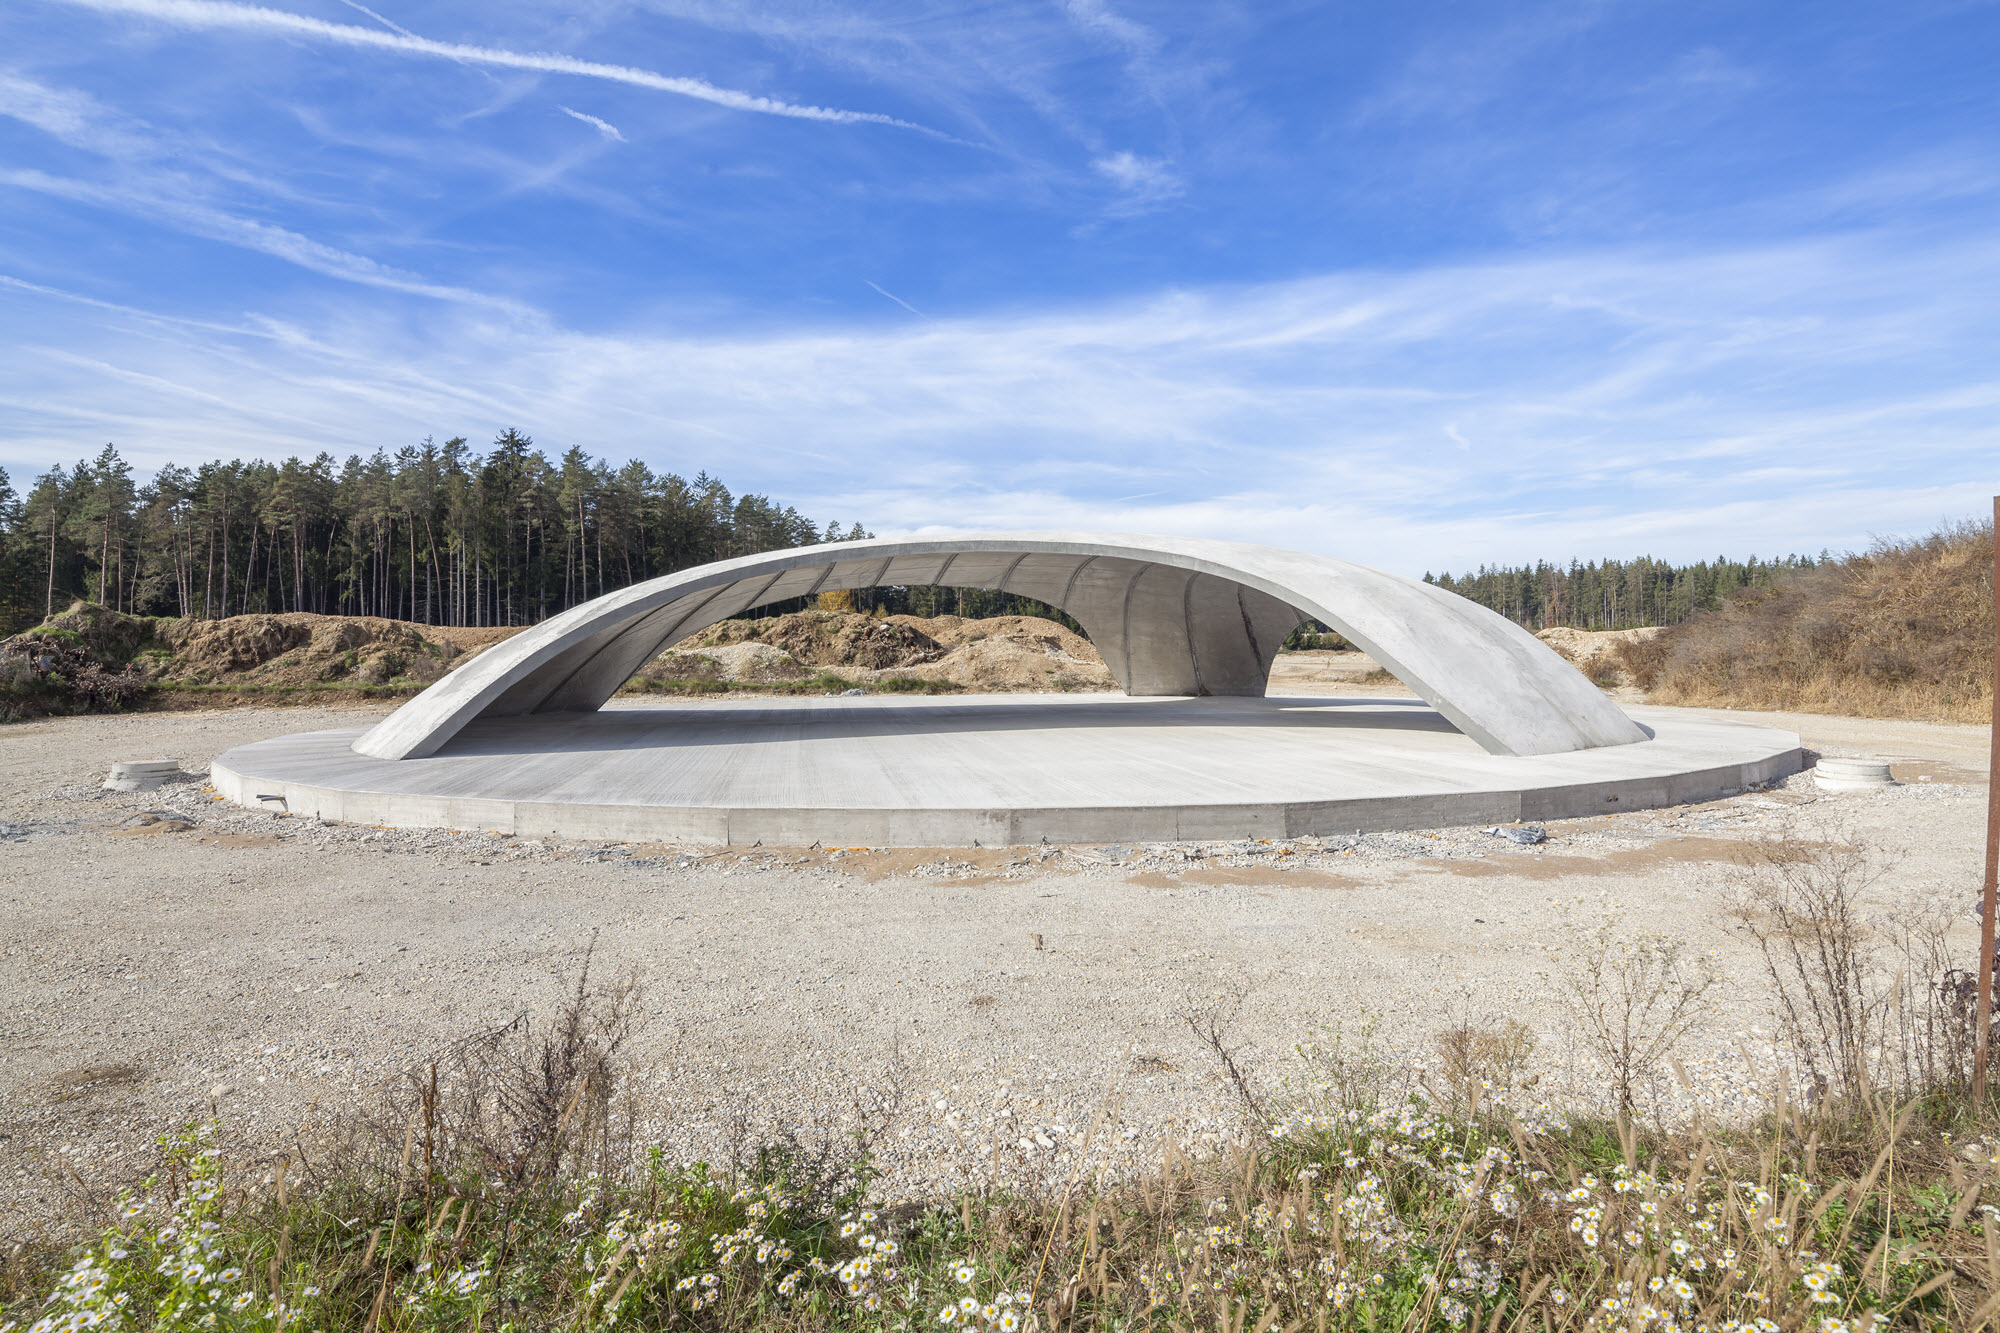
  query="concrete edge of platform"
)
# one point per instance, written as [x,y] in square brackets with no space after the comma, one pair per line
[949,827]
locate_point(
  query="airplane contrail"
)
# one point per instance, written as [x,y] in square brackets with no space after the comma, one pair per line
[603,127]
[898,300]
[255,18]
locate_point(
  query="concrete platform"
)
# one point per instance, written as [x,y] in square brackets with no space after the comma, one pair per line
[999,770]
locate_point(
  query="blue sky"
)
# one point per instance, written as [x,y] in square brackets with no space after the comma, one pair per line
[1419,285]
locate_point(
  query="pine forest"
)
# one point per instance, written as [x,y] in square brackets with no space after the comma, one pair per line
[435,533]
[442,534]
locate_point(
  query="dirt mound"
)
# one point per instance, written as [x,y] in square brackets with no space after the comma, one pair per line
[1598,654]
[749,661]
[90,658]
[1008,653]
[1904,630]
[826,639]
[112,637]
[1001,654]
[299,649]
[293,650]
[54,673]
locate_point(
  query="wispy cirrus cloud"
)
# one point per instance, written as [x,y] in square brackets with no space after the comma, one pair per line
[603,127]
[169,182]
[218,14]
[1144,181]
[200,219]
[70,115]
[1590,404]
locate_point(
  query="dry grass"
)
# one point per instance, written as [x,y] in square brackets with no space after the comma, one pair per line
[1361,1210]
[505,1183]
[1904,631]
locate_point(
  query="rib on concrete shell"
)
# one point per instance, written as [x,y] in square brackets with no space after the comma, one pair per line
[1170,616]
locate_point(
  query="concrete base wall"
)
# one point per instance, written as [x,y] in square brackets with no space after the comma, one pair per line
[976,776]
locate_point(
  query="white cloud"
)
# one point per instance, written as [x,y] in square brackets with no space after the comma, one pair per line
[363,9]
[603,127]
[69,115]
[256,18]
[1145,180]
[196,218]
[1095,16]
[1762,400]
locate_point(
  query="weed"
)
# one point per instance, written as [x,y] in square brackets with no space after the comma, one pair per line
[1633,995]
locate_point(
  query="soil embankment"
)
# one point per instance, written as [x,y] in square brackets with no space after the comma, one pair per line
[1598,654]
[91,659]
[1000,655]
[1902,631]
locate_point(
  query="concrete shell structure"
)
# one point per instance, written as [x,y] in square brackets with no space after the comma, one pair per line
[1171,616]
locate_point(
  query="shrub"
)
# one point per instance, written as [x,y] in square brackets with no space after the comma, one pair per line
[1905,630]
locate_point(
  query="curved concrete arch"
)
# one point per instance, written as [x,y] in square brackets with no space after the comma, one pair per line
[1171,616]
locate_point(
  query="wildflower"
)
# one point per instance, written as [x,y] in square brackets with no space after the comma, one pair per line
[963,1272]
[849,1229]
[132,1208]
[310,1291]
[968,1306]
[231,1274]
[243,1298]
[948,1315]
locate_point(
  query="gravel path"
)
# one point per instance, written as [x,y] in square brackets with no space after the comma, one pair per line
[161,945]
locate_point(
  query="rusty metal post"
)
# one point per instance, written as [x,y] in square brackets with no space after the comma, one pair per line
[1987,894]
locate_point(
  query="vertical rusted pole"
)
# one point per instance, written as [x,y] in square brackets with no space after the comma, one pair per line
[1986,904]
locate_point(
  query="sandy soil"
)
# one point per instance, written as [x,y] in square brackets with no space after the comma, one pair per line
[162,945]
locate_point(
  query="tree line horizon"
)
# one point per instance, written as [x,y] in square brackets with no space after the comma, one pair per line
[442,534]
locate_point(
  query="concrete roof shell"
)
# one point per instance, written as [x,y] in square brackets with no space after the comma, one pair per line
[1170,615]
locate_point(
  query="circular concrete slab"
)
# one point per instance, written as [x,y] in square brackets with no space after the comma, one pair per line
[1000,770]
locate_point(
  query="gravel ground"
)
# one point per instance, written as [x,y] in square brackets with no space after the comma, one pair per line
[164,945]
